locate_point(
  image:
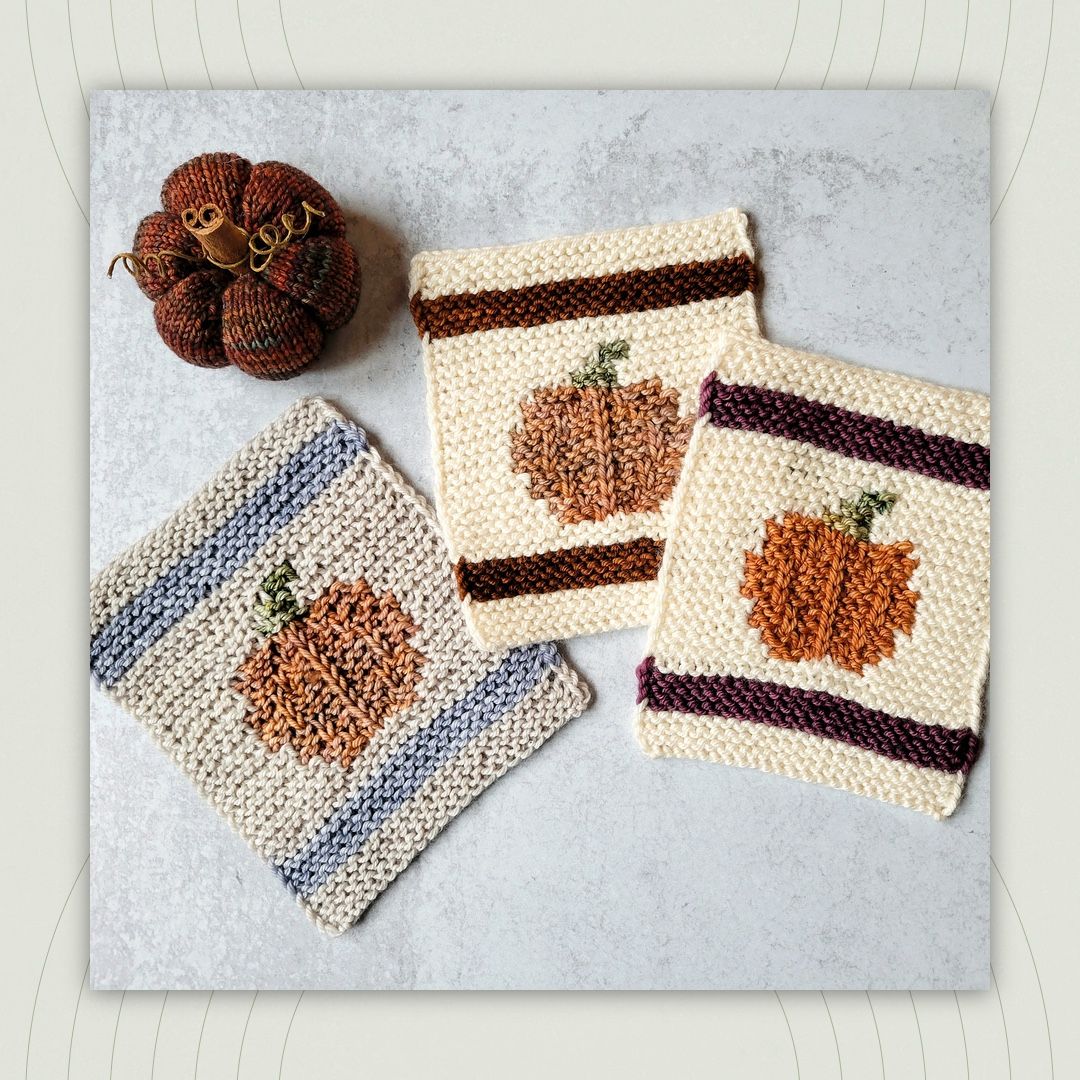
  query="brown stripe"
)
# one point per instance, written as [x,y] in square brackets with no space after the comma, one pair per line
[856,435]
[553,571]
[583,297]
[930,746]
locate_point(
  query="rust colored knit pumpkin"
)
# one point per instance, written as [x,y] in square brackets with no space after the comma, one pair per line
[595,448]
[821,588]
[246,265]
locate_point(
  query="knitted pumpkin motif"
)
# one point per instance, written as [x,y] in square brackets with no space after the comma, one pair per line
[821,588]
[327,679]
[246,265]
[595,448]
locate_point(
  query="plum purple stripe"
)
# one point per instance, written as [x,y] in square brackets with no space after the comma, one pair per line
[403,774]
[853,434]
[815,712]
[146,618]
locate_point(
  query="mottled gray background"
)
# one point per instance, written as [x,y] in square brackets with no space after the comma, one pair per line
[590,865]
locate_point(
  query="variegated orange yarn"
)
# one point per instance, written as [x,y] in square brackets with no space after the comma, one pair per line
[819,592]
[595,448]
[327,679]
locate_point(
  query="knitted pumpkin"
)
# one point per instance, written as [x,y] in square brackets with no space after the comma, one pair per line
[822,589]
[327,678]
[246,265]
[595,448]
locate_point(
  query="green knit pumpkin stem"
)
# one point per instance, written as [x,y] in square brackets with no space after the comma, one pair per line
[856,516]
[278,606]
[601,369]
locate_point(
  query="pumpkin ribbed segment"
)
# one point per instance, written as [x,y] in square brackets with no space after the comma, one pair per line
[275,189]
[323,274]
[218,178]
[188,318]
[160,233]
[266,333]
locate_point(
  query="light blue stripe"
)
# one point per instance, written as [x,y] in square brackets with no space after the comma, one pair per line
[150,615]
[402,775]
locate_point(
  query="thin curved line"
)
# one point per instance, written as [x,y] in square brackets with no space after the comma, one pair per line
[918,1028]
[296,72]
[115,1031]
[918,51]
[836,38]
[1031,953]
[157,44]
[198,34]
[75,1019]
[157,1032]
[963,47]
[1004,54]
[202,1028]
[791,43]
[836,1041]
[48,131]
[1004,1026]
[877,1032]
[877,47]
[791,1036]
[243,1037]
[963,1036]
[115,47]
[288,1030]
[1027,139]
[75,61]
[52,936]
[243,42]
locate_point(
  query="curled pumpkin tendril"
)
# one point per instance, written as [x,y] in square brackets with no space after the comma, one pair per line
[146,264]
[208,219]
[269,239]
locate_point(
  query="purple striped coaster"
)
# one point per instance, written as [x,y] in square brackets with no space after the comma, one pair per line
[824,607]
[292,637]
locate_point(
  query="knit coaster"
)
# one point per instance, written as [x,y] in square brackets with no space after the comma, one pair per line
[562,387]
[824,607]
[293,638]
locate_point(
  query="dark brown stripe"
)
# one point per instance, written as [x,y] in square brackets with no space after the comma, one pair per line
[583,297]
[856,435]
[929,746]
[553,571]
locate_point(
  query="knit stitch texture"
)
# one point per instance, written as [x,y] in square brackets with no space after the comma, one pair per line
[824,595]
[293,639]
[562,389]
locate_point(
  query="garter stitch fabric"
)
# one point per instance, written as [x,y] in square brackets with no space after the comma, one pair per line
[293,639]
[562,389]
[824,598]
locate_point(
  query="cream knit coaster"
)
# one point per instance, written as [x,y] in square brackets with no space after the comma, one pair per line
[293,638]
[562,386]
[824,599]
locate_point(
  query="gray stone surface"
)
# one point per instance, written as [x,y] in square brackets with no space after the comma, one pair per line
[590,865]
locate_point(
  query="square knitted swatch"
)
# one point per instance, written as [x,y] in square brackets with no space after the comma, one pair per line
[562,386]
[824,600]
[292,637]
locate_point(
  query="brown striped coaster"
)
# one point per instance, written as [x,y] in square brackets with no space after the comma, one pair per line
[562,386]
[824,595]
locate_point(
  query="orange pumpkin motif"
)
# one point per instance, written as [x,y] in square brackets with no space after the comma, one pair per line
[821,588]
[327,679]
[595,448]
